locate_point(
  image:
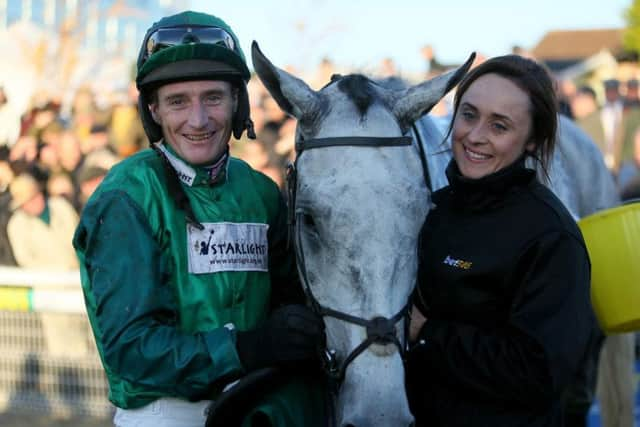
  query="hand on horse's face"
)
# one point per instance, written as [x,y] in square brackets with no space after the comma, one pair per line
[296,333]
[417,322]
[293,335]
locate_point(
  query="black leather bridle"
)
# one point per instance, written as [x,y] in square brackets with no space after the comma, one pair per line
[380,330]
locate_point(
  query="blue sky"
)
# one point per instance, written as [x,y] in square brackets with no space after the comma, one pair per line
[360,33]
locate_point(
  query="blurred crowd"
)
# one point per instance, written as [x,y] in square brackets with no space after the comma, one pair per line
[49,166]
[52,156]
[612,123]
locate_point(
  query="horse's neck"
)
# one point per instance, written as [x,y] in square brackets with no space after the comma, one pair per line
[429,134]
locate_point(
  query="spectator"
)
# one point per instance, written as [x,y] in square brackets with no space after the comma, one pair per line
[97,139]
[632,95]
[40,228]
[584,102]
[89,179]
[70,156]
[565,91]
[388,68]
[606,127]
[25,150]
[323,74]
[60,184]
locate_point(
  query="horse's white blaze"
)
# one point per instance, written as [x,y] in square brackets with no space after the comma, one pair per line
[367,206]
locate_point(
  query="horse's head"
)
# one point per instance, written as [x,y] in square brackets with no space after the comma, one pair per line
[360,200]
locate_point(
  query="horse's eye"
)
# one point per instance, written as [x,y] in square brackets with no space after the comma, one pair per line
[308,221]
[307,224]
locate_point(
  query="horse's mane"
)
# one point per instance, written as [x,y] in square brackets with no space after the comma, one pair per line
[395,83]
[358,88]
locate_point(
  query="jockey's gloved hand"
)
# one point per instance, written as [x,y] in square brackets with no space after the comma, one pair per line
[292,335]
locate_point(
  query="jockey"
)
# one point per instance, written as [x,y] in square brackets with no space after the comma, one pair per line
[188,280]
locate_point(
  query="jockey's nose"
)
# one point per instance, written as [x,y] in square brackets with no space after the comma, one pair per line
[198,116]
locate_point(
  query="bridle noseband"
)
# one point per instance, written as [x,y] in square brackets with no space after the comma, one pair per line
[380,330]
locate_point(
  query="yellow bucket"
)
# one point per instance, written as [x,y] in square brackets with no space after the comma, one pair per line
[613,241]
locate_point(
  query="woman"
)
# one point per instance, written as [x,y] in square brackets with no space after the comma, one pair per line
[502,318]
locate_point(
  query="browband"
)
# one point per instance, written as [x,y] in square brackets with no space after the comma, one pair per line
[362,141]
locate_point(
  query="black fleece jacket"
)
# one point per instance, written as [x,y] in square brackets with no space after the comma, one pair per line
[504,281]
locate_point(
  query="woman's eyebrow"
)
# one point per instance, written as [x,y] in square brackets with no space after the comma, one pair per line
[493,114]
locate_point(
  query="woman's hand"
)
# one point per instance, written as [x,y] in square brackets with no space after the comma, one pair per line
[417,321]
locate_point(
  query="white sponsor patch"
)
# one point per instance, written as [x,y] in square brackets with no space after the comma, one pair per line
[227,246]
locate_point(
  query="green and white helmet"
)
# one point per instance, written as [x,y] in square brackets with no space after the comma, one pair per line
[191,46]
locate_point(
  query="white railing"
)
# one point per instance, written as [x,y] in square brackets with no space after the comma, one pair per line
[40,290]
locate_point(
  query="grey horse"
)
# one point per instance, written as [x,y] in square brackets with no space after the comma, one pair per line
[360,200]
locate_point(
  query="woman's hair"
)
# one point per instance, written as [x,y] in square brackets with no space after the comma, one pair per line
[534,80]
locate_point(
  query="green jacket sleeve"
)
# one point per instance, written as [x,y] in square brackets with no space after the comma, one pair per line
[132,309]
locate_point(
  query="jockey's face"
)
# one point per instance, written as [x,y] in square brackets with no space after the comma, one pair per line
[196,118]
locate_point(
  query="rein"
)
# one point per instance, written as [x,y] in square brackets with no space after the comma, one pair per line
[380,330]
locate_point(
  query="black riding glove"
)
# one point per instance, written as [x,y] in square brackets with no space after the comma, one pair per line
[292,335]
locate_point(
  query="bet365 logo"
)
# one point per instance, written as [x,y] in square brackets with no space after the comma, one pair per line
[458,263]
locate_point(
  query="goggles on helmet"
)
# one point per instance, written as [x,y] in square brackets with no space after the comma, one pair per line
[163,38]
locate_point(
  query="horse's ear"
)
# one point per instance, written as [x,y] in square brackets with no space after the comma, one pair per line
[293,95]
[418,100]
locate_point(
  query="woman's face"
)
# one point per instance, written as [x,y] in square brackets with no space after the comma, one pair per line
[492,126]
